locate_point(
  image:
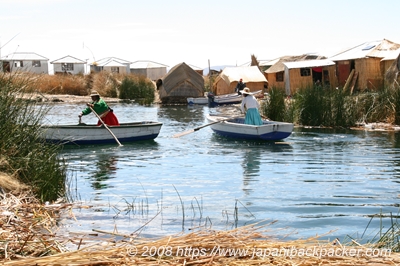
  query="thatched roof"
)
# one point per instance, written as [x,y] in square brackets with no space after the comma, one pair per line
[178,74]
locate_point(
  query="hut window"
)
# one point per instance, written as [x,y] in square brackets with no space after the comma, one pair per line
[279,76]
[115,69]
[18,64]
[305,72]
[67,67]
[36,63]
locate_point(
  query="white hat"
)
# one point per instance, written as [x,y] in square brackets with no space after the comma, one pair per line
[94,93]
[245,91]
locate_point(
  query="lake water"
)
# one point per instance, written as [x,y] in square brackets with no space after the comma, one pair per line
[317,181]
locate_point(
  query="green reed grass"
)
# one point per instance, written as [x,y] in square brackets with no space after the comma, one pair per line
[138,88]
[28,157]
[275,107]
[315,106]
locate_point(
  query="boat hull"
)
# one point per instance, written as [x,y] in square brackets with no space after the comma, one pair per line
[92,134]
[235,128]
[199,100]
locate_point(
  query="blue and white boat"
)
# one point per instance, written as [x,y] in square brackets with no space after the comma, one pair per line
[93,134]
[216,100]
[236,128]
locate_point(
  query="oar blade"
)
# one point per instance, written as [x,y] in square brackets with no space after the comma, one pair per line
[183,133]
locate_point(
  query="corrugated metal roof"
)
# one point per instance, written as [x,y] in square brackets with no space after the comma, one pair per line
[104,61]
[113,63]
[24,56]
[146,64]
[381,49]
[68,59]
[309,63]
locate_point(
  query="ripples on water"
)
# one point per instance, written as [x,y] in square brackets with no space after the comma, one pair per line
[314,182]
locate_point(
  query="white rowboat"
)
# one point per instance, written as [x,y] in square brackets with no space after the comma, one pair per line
[93,134]
[236,128]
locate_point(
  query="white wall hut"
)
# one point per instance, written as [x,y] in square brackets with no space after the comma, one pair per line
[26,62]
[148,69]
[69,65]
[111,64]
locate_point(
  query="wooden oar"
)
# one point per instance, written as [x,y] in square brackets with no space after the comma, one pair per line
[104,124]
[198,128]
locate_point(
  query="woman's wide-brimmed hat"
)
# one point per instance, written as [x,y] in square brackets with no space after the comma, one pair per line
[94,93]
[246,91]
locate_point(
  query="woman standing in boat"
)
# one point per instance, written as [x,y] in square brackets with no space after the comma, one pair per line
[101,108]
[250,107]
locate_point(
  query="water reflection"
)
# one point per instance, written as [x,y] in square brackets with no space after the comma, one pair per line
[314,181]
[251,168]
[182,113]
[105,169]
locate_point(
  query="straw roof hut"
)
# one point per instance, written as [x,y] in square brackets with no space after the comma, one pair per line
[180,83]
[227,80]
[369,61]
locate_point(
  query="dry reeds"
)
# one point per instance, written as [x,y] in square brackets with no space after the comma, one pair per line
[26,227]
[248,245]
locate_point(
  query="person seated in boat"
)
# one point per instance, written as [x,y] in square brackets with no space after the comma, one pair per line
[102,109]
[250,107]
[240,86]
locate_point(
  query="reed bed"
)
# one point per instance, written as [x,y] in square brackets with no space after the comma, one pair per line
[28,237]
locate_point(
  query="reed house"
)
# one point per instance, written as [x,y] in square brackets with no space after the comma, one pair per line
[180,83]
[309,73]
[365,65]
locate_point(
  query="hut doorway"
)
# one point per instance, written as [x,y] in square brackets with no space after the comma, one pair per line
[343,69]
[6,66]
[317,75]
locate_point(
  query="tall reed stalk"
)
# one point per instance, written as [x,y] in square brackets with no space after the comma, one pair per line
[24,154]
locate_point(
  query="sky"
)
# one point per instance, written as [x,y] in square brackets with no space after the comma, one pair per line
[200,33]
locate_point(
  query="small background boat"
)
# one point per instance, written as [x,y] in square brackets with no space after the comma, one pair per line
[93,134]
[236,128]
[212,100]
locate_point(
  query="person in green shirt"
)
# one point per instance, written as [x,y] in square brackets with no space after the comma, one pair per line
[102,109]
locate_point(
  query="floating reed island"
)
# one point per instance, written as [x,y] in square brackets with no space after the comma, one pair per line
[29,237]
